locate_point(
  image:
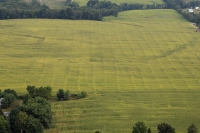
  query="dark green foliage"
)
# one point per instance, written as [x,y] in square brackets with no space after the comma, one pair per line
[12,118]
[26,98]
[192,129]
[33,125]
[81,95]
[165,128]
[84,94]
[42,91]
[3,125]
[1,112]
[9,91]
[67,95]
[95,10]
[97,132]
[8,100]
[39,108]
[139,127]
[20,122]
[60,94]
[149,130]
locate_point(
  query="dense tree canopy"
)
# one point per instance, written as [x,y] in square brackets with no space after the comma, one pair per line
[42,91]
[33,125]
[165,128]
[9,96]
[39,108]
[3,125]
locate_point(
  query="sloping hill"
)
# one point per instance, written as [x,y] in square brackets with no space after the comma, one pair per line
[140,66]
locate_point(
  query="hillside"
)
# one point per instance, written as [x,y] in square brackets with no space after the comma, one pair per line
[141,65]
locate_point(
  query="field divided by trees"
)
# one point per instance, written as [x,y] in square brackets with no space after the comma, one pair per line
[139,66]
[60,3]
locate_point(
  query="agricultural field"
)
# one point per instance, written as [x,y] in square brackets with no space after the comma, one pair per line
[139,66]
[57,4]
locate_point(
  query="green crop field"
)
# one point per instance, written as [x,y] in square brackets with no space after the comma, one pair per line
[139,66]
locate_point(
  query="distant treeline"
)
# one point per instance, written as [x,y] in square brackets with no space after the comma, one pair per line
[178,5]
[94,10]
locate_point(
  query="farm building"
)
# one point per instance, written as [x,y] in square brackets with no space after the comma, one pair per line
[190,10]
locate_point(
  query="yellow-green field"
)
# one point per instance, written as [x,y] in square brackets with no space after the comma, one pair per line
[140,66]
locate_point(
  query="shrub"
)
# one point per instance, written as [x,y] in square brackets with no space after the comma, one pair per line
[67,95]
[192,129]
[165,128]
[79,96]
[60,94]
[84,94]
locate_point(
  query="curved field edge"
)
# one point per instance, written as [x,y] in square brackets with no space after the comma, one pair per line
[142,65]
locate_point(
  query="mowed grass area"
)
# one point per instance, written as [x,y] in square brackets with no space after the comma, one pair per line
[140,66]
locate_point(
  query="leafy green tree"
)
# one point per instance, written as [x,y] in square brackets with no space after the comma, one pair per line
[31,90]
[3,125]
[139,127]
[8,100]
[165,128]
[43,91]
[39,108]
[9,91]
[192,129]
[33,125]
[60,94]
[12,118]
[20,122]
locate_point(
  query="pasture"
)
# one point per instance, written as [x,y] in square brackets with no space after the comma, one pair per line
[140,66]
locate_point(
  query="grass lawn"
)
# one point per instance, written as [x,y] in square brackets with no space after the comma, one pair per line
[140,66]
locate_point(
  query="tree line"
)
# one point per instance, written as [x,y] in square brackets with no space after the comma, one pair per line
[94,10]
